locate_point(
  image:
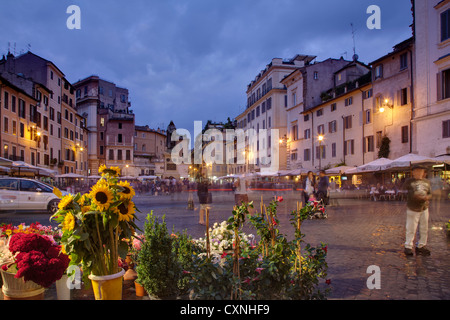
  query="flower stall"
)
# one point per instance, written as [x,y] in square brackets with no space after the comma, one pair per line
[96,228]
[31,260]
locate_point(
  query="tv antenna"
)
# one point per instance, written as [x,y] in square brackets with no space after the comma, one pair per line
[355,56]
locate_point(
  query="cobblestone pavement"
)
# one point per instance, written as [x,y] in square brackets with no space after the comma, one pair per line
[359,233]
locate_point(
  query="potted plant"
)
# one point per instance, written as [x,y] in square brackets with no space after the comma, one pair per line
[30,261]
[95,228]
[158,268]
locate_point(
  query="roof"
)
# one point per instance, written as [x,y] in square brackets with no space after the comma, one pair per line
[396,49]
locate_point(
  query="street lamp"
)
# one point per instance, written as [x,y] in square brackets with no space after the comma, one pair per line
[320,138]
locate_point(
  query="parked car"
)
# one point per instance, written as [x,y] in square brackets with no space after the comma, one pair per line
[21,194]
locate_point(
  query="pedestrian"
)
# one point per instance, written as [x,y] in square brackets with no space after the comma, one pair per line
[310,183]
[322,187]
[202,192]
[240,190]
[418,198]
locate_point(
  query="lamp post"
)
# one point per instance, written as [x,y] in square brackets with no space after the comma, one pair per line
[320,138]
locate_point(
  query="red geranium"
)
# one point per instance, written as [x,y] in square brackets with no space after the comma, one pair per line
[38,260]
[280,199]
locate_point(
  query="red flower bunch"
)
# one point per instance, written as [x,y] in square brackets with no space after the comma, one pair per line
[38,260]
[280,199]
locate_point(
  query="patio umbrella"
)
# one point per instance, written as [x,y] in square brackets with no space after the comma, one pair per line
[407,160]
[375,165]
[338,170]
[443,159]
[70,175]
[94,177]
[24,167]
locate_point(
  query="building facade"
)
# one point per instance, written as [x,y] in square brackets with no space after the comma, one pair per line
[431,110]
[109,121]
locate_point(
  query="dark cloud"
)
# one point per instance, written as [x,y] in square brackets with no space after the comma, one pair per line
[192,60]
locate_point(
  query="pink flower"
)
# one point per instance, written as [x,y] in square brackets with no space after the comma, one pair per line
[328,281]
[186,272]
[280,199]
[224,255]
[259,270]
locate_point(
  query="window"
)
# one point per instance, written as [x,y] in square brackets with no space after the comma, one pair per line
[128,155]
[321,129]
[257,111]
[349,101]
[307,155]
[368,116]
[319,112]
[367,94]
[320,152]
[119,138]
[22,130]
[14,127]
[306,117]
[294,156]
[111,154]
[22,110]
[332,126]
[405,134]
[119,154]
[316,75]
[348,122]
[120,125]
[5,124]
[443,85]
[379,71]
[102,122]
[6,102]
[13,103]
[294,132]
[307,133]
[333,107]
[269,102]
[445,25]
[369,144]
[404,61]
[333,149]
[446,129]
[263,107]
[294,99]
[403,96]
[349,147]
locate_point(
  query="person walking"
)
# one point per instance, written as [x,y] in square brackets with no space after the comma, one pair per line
[322,187]
[202,192]
[418,198]
[240,190]
[310,183]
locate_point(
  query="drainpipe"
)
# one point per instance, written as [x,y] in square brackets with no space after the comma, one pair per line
[363,122]
[412,104]
[343,136]
[312,138]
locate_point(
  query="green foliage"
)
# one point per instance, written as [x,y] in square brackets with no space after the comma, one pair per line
[159,269]
[384,148]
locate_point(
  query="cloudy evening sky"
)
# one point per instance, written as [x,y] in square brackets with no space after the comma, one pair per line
[186,60]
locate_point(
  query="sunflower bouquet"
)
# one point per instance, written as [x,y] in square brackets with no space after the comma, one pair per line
[96,225]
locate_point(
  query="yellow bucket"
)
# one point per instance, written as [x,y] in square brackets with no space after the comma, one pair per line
[107,287]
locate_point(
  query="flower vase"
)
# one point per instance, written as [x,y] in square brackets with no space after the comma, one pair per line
[140,290]
[18,289]
[108,287]
[62,288]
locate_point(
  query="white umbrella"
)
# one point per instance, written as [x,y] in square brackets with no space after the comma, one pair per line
[375,165]
[338,170]
[94,177]
[70,175]
[443,159]
[407,160]
[352,170]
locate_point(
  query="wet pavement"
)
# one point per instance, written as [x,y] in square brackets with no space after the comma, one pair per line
[359,234]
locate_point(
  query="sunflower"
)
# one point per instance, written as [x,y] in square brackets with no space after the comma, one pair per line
[116,171]
[102,168]
[82,200]
[125,210]
[65,202]
[69,222]
[127,192]
[101,195]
